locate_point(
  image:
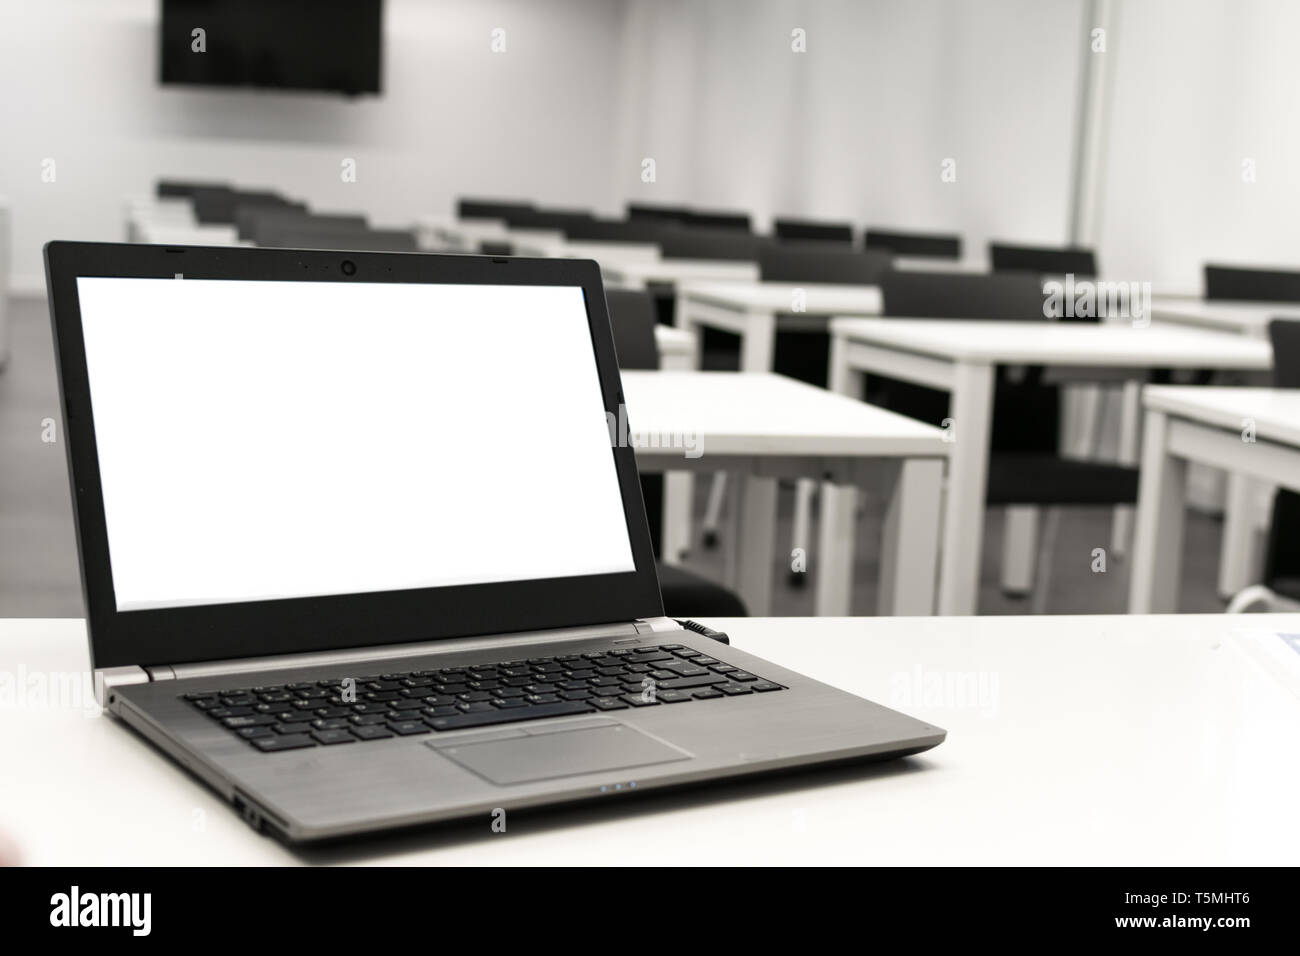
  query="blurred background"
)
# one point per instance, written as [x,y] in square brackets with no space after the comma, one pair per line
[1159,134]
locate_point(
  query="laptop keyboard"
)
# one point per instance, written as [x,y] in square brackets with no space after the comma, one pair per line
[381,706]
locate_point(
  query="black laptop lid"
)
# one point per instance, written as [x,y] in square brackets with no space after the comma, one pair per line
[278,451]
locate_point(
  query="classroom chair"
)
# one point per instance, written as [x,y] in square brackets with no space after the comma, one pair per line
[800,230]
[1279,589]
[685,593]
[918,244]
[1258,285]
[1026,469]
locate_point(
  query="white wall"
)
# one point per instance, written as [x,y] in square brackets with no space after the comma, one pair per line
[80,87]
[1200,86]
[858,125]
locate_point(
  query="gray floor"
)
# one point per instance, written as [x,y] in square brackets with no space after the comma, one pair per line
[38,560]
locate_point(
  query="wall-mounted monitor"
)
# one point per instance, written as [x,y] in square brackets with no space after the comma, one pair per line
[326,45]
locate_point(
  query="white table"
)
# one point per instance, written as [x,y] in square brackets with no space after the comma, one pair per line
[755,311]
[1209,425]
[1245,504]
[1091,741]
[640,275]
[177,235]
[448,232]
[1241,317]
[960,356]
[761,427]
[613,251]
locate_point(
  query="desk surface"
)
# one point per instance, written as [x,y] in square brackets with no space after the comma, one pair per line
[1061,343]
[1071,740]
[758,413]
[1247,318]
[820,298]
[681,270]
[1275,412]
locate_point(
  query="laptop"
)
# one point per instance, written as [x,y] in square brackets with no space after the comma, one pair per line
[359,553]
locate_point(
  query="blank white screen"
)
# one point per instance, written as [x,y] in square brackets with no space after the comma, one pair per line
[262,440]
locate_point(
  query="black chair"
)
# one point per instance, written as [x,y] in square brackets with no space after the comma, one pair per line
[251,222]
[821,262]
[221,205]
[685,594]
[679,243]
[489,208]
[920,244]
[718,220]
[359,240]
[557,219]
[1042,260]
[800,230]
[183,189]
[615,230]
[1259,285]
[667,214]
[1282,557]
[1025,466]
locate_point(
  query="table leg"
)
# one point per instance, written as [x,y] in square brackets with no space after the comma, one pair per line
[963,531]
[679,490]
[756,521]
[1158,545]
[909,555]
[1237,556]
[835,538]
[1130,447]
[1019,549]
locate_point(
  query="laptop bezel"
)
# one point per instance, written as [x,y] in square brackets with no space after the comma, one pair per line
[299,625]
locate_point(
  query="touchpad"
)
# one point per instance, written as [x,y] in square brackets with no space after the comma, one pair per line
[567,751]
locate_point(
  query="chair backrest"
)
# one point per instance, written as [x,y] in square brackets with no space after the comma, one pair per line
[923,244]
[718,220]
[183,189]
[252,222]
[1282,558]
[489,208]
[618,230]
[1260,285]
[955,295]
[822,262]
[642,210]
[798,230]
[632,316]
[360,240]
[679,243]
[557,219]
[221,205]
[1042,260]
[1026,412]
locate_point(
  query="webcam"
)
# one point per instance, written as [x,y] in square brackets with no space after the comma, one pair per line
[349,268]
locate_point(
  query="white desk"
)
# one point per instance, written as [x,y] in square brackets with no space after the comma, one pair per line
[448,232]
[1242,318]
[960,357]
[639,275]
[761,427]
[175,235]
[1095,741]
[602,250]
[677,348]
[1209,425]
[755,310]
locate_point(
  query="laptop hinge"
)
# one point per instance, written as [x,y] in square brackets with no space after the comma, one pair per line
[106,678]
[423,648]
[656,625]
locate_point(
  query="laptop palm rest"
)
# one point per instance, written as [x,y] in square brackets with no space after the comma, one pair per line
[526,755]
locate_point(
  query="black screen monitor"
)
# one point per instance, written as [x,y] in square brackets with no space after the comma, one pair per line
[329,45]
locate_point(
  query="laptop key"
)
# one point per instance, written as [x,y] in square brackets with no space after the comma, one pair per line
[684,683]
[371,732]
[298,727]
[636,700]
[248,733]
[763,686]
[673,696]
[333,736]
[608,703]
[256,720]
[282,742]
[706,693]
[536,712]
[733,690]
[408,727]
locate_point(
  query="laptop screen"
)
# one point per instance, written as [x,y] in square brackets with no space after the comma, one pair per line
[262,440]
